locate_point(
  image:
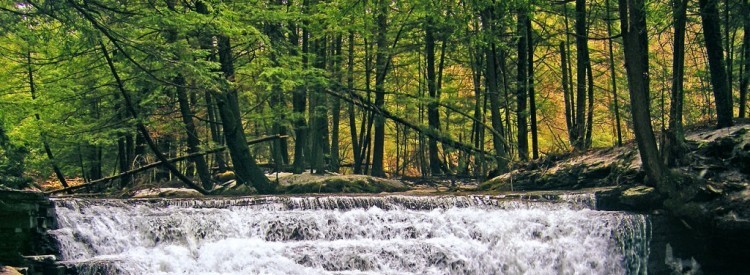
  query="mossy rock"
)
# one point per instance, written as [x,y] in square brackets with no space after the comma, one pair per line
[167,193]
[307,183]
[231,188]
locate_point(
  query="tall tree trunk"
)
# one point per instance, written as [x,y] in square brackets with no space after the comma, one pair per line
[142,128]
[336,103]
[352,116]
[521,86]
[299,103]
[279,150]
[245,168]
[613,75]
[319,112]
[582,63]
[712,37]
[633,26]
[590,108]
[532,94]
[433,116]
[567,93]
[380,74]
[193,142]
[675,135]
[745,76]
[47,149]
[493,91]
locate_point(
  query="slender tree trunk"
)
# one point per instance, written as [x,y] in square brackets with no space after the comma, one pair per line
[745,76]
[47,149]
[319,112]
[712,37]
[582,63]
[567,93]
[613,75]
[352,116]
[144,132]
[433,116]
[532,94]
[493,91]
[590,108]
[336,104]
[521,86]
[633,26]
[380,74]
[299,103]
[193,142]
[675,136]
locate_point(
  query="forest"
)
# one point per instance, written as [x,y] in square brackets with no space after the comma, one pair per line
[96,88]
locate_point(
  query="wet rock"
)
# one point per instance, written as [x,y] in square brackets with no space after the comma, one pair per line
[310,183]
[7,270]
[232,188]
[167,193]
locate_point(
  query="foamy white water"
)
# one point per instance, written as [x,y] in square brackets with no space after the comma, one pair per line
[350,235]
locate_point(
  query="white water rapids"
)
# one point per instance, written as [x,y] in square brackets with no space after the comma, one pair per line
[349,235]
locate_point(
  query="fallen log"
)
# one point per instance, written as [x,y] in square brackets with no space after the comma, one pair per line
[158,163]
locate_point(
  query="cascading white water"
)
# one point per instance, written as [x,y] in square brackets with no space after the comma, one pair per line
[350,235]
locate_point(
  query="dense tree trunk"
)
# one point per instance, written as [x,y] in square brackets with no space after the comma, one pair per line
[521,86]
[675,135]
[712,37]
[433,116]
[245,168]
[633,26]
[380,74]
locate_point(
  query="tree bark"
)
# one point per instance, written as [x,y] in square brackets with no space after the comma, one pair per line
[675,134]
[493,91]
[336,104]
[745,76]
[712,37]
[350,106]
[380,74]
[521,86]
[433,116]
[245,168]
[633,26]
[581,66]
[532,94]
[47,149]
[613,75]
[567,93]
[193,142]
[144,132]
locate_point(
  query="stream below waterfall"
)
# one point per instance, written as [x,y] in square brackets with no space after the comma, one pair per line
[350,235]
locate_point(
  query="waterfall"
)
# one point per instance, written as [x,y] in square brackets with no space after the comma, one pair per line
[350,235]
